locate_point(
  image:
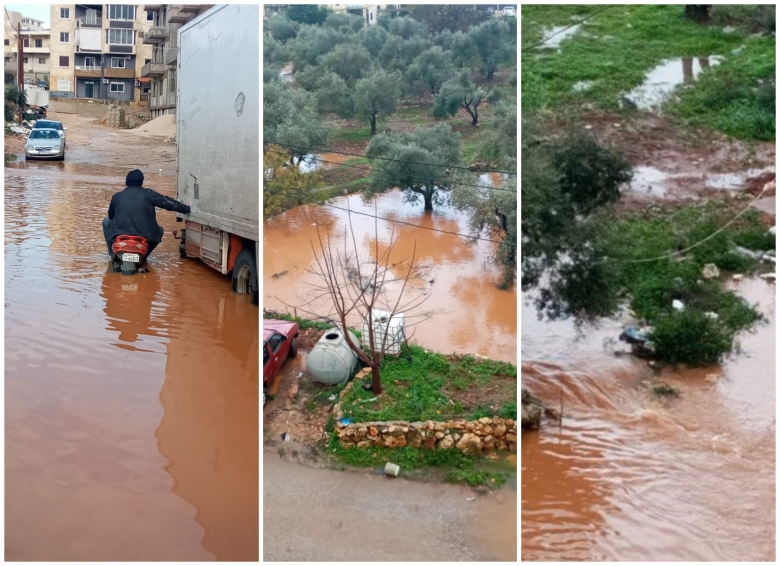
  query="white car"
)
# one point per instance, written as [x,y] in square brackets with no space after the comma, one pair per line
[509,11]
[45,144]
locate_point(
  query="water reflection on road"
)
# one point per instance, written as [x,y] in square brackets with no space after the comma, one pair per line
[131,403]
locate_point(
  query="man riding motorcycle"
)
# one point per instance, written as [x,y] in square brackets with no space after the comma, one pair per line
[132,213]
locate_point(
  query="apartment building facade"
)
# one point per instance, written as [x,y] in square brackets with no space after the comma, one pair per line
[36,48]
[97,51]
[162,38]
[369,12]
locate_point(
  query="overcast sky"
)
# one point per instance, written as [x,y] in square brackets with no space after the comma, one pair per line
[35,11]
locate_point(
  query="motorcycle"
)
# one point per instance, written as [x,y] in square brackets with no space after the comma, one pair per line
[129,254]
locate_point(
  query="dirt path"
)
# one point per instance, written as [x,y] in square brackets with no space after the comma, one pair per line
[312,514]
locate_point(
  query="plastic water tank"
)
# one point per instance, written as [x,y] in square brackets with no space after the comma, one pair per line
[332,361]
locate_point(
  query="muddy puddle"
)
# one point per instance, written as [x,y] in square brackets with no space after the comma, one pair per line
[319,161]
[663,79]
[131,403]
[464,311]
[629,477]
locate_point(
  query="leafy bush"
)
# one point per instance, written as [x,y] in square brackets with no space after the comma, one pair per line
[692,338]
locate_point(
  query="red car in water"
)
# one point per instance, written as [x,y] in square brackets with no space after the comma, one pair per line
[280,342]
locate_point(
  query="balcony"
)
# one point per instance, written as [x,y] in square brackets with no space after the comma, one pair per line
[155,35]
[90,22]
[180,17]
[89,71]
[152,7]
[190,8]
[171,55]
[153,69]
[32,50]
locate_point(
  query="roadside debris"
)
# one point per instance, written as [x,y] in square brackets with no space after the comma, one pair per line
[678,305]
[392,470]
[286,437]
[710,271]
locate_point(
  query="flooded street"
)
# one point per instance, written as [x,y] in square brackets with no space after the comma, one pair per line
[131,402]
[465,312]
[632,477]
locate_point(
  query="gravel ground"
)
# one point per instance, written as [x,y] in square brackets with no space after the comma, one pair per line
[315,514]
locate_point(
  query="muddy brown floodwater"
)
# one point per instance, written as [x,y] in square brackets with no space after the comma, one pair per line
[630,478]
[131,403]
[465,312]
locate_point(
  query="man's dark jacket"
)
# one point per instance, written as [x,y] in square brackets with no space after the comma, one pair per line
[132,211]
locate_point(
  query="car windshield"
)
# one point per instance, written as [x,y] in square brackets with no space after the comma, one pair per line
[44,135]
[46,124]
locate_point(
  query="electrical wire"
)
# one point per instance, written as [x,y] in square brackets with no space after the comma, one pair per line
[560,31]
[326,150]
[412,225]
[314,158]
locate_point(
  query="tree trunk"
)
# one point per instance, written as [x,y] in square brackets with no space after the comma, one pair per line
[473,113]
[490,71]
[376,382]
[428,196]
[373,125]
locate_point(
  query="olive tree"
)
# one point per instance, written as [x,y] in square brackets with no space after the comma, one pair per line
[493,42]
[350,61]
[461,92]
[418,164]
[430,69]
[377,94]
[281,28]
[290,117]
[373,38]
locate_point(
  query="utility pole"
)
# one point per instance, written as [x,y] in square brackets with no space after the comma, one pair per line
[20,61]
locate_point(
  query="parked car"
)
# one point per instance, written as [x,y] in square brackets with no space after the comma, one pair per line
[44,144]
[51,125]
[280,342]
[509,11]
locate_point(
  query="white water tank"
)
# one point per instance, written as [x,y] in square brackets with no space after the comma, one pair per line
[394,328]
[332,361]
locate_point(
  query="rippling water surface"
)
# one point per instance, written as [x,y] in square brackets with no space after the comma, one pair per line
[131,403]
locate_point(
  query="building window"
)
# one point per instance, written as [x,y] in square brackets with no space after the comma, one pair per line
[27,43]
[89,63]
[7,42]
[64,37]
[121,36]
[26,60]
[147,61]
[42,60]
[117,62]
[121,12]
[117,87]
[65,13]
[149,16]
[63,85]
[38,43]
[64,61]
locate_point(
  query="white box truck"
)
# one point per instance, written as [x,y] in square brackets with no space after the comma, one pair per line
[217,141]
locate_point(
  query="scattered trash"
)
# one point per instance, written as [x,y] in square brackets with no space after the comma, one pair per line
[471,498]
[768,276]
[634,335]
[367,386]
[368,400]
[345,422]
[737,277]
[711,315]
[392,470]
[710,271]
[332,398]
[300,375]
[746,252]
[678,305]
[286,437]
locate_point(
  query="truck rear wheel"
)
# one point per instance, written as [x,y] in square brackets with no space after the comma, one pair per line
[245,274]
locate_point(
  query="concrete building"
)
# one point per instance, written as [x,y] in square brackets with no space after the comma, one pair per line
[36,47]
[369,12]
[97,51]
[162,36]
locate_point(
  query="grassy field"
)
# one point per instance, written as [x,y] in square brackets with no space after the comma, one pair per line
[616,46]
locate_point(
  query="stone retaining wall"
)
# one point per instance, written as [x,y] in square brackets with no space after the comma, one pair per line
[470,437]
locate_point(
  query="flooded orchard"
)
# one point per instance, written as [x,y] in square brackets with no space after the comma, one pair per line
[628,476]
[131,402]
[464,312]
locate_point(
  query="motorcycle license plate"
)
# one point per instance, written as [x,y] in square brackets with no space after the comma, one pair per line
[131,257]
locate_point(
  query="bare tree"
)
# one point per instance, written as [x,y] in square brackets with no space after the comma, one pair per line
[356,285]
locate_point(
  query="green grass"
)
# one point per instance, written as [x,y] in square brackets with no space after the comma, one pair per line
[9,157]
[457,467]
[415,384]
[619,45]
[359,134]
[303,323]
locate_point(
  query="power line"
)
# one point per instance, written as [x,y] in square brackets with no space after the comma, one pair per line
[413,176]
[412,225]
[560,31]
[326,150]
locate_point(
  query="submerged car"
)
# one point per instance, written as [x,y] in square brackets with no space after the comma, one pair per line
[280,342]
[51,125]
[44,144]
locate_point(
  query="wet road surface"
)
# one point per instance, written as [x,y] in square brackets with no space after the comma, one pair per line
[629,477]
[465,312]
[314,514]
[131,403]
